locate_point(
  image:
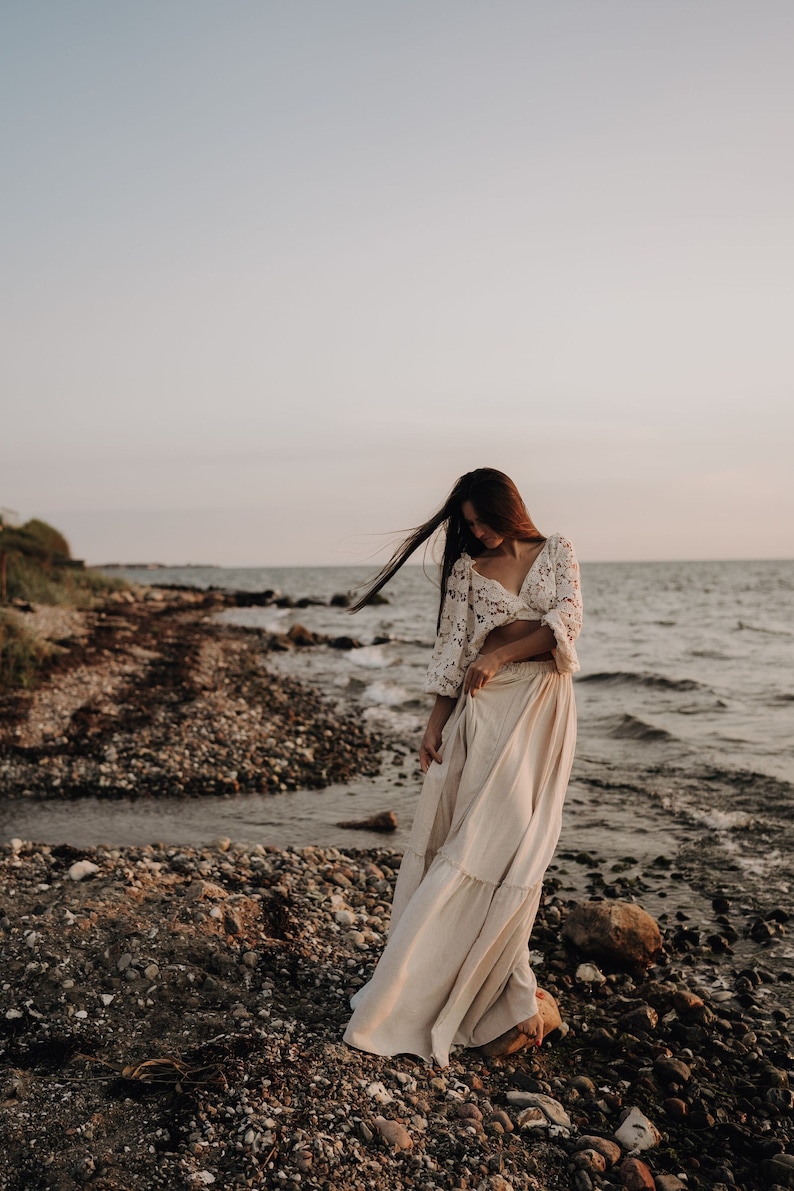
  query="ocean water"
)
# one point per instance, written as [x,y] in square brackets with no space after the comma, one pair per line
[686,720]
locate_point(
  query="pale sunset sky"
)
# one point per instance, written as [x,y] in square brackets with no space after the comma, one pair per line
[275,274]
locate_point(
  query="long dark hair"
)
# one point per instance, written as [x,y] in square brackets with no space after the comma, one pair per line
[498,503]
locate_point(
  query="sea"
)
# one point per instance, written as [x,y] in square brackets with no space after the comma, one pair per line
[685,699]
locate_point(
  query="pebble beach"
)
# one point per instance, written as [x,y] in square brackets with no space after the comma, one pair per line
[172,1016]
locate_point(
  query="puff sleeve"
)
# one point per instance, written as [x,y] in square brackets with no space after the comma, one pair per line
[449,658]
[564,618]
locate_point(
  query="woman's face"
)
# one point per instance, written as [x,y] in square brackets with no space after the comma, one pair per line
[482,532]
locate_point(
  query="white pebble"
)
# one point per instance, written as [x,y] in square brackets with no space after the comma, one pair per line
[590,974]
[83,868]
[636,1132]
[378,1092]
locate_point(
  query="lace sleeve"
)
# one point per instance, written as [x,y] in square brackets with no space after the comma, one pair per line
[564,618]
[447,665]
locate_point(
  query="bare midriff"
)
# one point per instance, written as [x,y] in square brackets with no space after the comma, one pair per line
[507,634]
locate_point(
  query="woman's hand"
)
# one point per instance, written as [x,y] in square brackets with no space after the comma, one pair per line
[481,671]
[429,748]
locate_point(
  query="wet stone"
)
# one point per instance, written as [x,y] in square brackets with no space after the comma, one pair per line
[610,1150]
[675,1108]
[672,1070]
[590,1160]
[642,1020]
[635,1175]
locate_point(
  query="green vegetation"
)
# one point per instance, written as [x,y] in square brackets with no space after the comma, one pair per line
[21,651]
[36,567]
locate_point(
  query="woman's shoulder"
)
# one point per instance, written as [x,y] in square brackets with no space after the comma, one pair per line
[558,541]
[460,574]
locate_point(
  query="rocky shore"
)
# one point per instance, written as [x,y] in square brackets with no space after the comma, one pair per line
[150,696]
[172,1018]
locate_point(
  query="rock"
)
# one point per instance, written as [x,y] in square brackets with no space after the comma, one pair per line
[382,821]
[780,1099]
[780,1169]
[532,1118]
[300,635]
[340,600]
[609,1149]
[345,643]
[671,1070]
[394,1134]
[500,1117]
[589,974]
[513,1040]
[590,1160]
[495,1182]
[636,1132]
[675,1108]
[82,869]
[620,931]
[669,1182]
[635,1175]
[685,1001]
[552,1109]
[378,1092]
[642,1020]
[201,889]
[549,1011]
[232,923]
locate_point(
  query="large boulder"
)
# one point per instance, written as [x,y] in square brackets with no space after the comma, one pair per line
[620,931]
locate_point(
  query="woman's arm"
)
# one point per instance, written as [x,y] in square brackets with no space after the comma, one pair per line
[483,668]
[431,741]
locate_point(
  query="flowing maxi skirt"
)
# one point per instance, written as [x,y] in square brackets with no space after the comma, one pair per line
[455,970]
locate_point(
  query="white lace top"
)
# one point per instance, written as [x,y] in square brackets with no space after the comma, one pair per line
[474,604]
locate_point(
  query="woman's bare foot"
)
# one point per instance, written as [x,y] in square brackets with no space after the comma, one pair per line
[533,1028]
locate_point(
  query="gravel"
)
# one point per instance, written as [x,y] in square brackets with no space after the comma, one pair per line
[172,1018]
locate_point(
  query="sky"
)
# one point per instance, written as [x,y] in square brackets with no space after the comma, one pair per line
[272,276]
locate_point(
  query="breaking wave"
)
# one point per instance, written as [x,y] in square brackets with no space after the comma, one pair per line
[630,678]
[627,727]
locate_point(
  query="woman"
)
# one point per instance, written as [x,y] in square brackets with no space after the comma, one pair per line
[497,754]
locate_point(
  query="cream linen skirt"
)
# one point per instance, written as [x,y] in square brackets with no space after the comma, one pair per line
[455,969]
